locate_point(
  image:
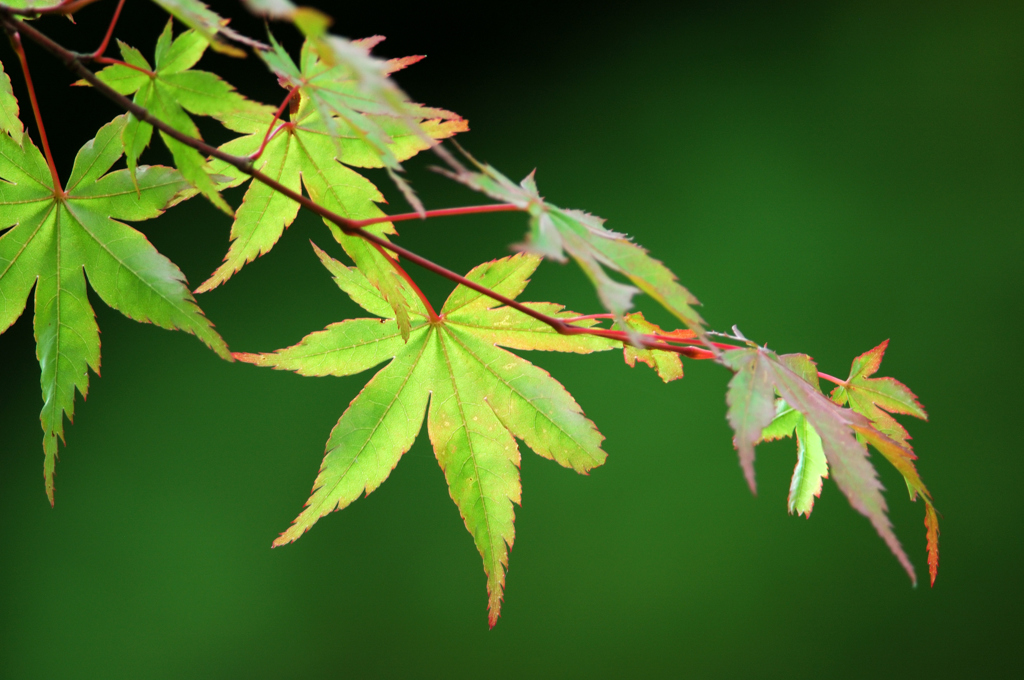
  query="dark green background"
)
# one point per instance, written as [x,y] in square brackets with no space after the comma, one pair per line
[826,178]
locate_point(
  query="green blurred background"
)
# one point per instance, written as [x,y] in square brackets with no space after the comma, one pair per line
[824,176]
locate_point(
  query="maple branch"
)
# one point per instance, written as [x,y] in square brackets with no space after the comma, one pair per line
[110,31]
[74,62]
[443,212]
[270,129]
[20,50]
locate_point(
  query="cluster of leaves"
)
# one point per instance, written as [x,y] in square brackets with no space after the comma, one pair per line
[772,397]
[343,112]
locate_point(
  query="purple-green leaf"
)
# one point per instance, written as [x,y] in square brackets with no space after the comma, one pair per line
[751,409]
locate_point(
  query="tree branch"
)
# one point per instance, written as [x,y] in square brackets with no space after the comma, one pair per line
[74,62]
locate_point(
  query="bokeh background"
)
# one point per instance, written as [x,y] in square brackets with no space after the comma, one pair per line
[825,175]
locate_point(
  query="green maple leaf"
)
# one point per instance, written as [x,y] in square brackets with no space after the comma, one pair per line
[354,94]
[481,399]
[174,89]
[759,375]
[33,4]
[303,153]
[555,232]
[54,239]
[206,23]
[9,120]
[811,465]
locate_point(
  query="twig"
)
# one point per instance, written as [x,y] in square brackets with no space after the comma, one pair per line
[73,61]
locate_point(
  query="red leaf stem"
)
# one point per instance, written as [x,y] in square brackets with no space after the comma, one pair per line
[109,60]
[831,379]
[444,212]
[110,31]
[19,48]
[270,129]
[432,315]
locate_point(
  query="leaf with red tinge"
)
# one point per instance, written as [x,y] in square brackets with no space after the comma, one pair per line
[556,232]
[751,400]
[354,95]
[751,409]
[477,399]
[876,398]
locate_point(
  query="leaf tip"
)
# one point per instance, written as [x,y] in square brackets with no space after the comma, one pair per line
[931,523]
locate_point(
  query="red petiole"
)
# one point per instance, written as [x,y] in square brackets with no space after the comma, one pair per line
[19,48]
[110,31]
[444,212]
[432,315]
[837,381]
[108,60]
[270,130]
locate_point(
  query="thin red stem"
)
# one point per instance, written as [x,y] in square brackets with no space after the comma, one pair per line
[16,42]
[405,275]
[837,381]
[74,62]
[270,130]
[110,31]
[109,60]
[444,212]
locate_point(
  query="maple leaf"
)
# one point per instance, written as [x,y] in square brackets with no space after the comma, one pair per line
[206,23]
[172,89]
[9,120]
[33,4]
[759,375]
[354,94]
[876,399]
[555,231]
[481,399]
[311,21]
[301,152]
[811,465]
[55,238]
